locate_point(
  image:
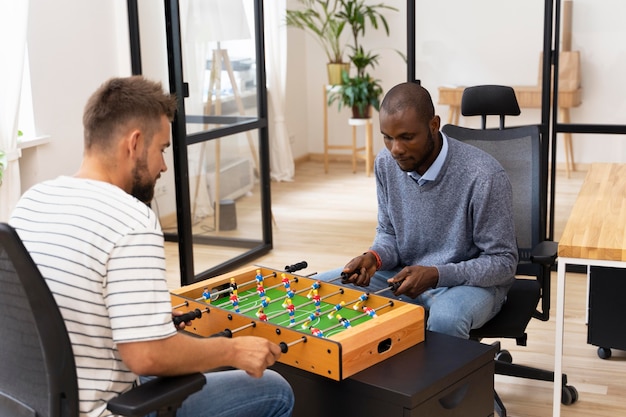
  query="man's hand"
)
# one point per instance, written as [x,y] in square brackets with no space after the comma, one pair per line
[181,325]
[254,354]
[415,280]
[360,270]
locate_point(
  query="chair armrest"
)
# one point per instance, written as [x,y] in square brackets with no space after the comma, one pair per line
[156,394]
[544,253]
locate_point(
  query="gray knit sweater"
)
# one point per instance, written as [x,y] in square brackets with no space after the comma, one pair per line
[461,223]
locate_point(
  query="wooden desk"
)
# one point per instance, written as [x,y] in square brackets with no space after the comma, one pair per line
[443,376]
[527,97]
[595,235]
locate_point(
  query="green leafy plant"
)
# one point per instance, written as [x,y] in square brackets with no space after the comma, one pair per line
[361,60]
[358,15]
[320,19]
[359,93]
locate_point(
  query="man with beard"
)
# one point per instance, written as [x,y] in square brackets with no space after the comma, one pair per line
[445,236]
[100,248]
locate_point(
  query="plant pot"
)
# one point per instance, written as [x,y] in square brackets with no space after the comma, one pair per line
[366,114]
[334,72]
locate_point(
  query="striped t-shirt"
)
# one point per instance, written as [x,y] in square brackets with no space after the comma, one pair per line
[101,253]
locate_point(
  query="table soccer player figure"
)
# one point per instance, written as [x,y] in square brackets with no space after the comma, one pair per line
[206,294]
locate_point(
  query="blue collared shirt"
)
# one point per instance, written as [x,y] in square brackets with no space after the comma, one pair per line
[432,172]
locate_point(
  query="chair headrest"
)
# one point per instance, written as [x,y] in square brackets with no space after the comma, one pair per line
[487,100]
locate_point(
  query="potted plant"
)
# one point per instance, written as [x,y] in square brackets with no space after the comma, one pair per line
[319,18]
[360,93]
[356,14]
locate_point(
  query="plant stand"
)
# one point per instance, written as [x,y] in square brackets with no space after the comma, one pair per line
[363,152]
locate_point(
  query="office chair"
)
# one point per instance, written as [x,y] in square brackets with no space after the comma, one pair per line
[518,149]
[38,377]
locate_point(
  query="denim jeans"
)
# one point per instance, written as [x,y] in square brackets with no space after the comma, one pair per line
[451,310]
[234,393]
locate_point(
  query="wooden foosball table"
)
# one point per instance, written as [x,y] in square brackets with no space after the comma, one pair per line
[375,360]
[323,328]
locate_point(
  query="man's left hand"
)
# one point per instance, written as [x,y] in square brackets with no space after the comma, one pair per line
[415,280]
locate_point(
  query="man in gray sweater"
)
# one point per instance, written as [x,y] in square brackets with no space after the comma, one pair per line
[445,234]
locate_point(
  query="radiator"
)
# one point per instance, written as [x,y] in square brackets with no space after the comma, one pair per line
[236,178]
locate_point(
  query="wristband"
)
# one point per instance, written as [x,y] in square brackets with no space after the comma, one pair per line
[379,263]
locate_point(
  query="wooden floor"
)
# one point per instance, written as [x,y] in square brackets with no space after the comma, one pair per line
[326,219]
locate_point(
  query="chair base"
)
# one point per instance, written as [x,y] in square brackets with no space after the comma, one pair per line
[569,394]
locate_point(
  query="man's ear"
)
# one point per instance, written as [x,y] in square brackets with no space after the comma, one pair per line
[134,143]
[435,124]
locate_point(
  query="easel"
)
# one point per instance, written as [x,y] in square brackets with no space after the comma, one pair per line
[220,59]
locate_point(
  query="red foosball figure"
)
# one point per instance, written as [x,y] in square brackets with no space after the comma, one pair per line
[234,299]
[261,314]
[291,310]
[370,311]
[316,332]
[317,301]
[285,281]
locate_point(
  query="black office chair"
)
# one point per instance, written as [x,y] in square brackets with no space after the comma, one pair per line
[38,377]
[518,149]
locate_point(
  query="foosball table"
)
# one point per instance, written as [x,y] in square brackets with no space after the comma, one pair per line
[323,328]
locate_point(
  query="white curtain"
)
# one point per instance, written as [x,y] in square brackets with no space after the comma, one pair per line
[281,157]
[13,23]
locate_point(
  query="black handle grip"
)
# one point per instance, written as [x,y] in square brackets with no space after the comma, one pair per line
[191,315]
[296,267]
[395,285]
[223,333]
[345,276]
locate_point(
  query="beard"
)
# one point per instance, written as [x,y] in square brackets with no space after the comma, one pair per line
[428,152]
[143,185]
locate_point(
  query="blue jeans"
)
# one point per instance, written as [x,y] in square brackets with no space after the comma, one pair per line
[234,393]
[451,310]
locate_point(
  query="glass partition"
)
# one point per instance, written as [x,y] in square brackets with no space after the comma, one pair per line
[213,202]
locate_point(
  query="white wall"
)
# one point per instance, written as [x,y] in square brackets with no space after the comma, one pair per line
[75,45]
[463,42]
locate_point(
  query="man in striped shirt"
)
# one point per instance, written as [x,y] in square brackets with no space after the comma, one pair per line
[100,249]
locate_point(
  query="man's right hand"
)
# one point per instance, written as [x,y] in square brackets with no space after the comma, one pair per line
[254,354]
[360,270]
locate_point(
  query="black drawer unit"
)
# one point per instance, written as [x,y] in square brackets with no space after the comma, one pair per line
[606,327]
[444,376]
